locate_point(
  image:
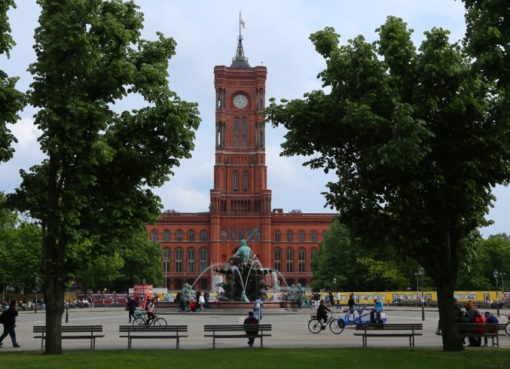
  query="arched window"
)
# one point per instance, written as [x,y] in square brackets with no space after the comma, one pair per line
[178,235]
[314,236]
[203,236]
[301,236]
[236,132]
[290,260]
[166,260]
[289,235]
[154,235]
[178,259]
[301,259]
[191,259]
[277,258]
[313,253]
[203,259]
[166,235]
[191,235]
[245,181]
[245,132]
[235,181]
[277,236]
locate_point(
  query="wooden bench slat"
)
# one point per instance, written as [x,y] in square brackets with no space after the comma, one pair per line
[382,330]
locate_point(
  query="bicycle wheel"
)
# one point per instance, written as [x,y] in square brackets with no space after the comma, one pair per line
[337,326]
[507,329]
[160,322]
[139,321]
[314,326]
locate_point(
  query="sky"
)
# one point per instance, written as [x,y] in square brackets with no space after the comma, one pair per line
[276,35]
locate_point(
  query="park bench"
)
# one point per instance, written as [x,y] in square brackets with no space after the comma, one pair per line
[489,330]
[388,330]
[217,331]
[150,332]
[73,332]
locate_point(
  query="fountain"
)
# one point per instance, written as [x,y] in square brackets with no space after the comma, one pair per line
[241,280]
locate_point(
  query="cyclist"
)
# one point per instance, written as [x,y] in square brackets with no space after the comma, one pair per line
[322,313]
[150,308]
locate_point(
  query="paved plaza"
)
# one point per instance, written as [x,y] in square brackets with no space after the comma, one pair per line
[289,330]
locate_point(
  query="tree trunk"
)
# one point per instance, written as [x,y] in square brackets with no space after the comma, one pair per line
[447,318]
[53,267]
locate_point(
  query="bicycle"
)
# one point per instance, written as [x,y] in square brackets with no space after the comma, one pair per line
[141,318]
[335,324]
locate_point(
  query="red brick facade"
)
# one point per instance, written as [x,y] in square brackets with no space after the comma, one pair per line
[240,199]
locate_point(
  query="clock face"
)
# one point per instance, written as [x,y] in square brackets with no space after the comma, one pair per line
[240,101]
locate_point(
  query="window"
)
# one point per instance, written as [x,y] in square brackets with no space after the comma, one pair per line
[301,236]
[235,181]
[290,260]
[301,259]
[245,181]
[166,235]
[313,253]
[289,235]
[191,259]
[232,235]
[223,234]
[178,259]
[236,132]
[203,236]
[154,235]
[178,235]
[314,236]
[203,259]
[277,236]
[245,132]
[241,234]
[166,260]
[191,235]
[277,259]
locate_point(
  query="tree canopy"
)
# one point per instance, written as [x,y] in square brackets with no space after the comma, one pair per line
[94,186]
[11,100]
[409,135]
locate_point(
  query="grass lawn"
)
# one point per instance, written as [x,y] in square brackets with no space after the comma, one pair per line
[484,358]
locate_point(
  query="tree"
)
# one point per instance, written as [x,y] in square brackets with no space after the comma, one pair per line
[353,267]
[95,184]
[407,133]
[11,100]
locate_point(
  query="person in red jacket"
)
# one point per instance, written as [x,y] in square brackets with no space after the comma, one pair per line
[479,319]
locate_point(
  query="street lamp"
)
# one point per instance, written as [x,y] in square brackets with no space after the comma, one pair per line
[36,290]
[419,274]
[498,274]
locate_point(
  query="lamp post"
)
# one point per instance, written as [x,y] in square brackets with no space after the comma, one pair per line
[419,274]
[497,275]
[36,290]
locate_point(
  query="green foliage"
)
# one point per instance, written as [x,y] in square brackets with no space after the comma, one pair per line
[354,267]
[408,133]
[20,250]
[11,100]
[95,184]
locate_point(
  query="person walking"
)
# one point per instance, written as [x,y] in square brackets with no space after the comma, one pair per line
[8,319]
[131,305]
[251,328]
[257,309]
[352,304]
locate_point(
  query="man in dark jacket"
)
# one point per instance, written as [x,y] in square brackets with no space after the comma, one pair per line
[251,327]
[8,319]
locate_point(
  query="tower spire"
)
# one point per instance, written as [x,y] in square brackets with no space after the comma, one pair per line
[240,61]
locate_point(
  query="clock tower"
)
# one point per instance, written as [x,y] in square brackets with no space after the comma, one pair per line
[240,195]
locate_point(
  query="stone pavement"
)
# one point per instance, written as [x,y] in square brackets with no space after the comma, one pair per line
[289,330]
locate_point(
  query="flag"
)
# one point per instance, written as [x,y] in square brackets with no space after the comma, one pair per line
[242,23]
